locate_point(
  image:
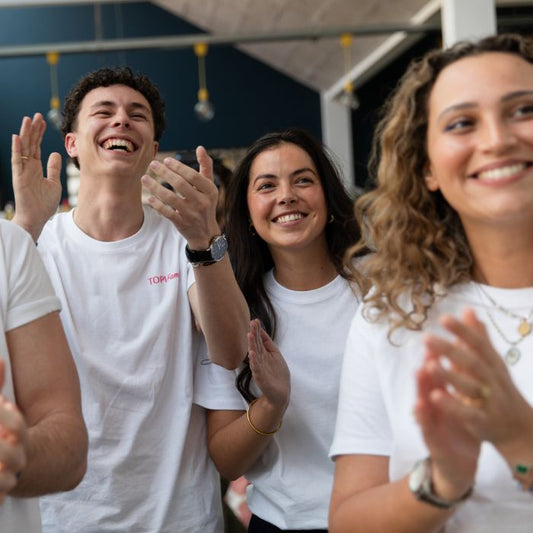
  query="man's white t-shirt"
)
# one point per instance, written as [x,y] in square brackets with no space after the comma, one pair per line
[127,318]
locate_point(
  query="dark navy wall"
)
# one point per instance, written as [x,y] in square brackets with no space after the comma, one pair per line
[249,97]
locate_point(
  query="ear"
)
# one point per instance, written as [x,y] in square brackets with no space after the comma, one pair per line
[70,144]
[431,183]
[156,147]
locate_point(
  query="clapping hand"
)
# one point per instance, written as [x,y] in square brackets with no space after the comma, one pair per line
[269,369]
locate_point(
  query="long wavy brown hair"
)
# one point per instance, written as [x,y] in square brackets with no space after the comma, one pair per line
[419,242]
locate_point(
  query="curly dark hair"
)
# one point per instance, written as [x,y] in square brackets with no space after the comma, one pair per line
[250,254]
[105,77]
[421,245]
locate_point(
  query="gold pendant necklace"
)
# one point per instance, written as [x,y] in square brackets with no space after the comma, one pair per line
[513,354]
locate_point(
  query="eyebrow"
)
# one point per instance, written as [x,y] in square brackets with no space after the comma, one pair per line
[275,176]
[469,105]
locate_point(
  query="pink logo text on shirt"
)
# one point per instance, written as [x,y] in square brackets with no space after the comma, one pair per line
[163,278]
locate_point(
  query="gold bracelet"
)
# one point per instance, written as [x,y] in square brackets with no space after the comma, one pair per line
[258,431]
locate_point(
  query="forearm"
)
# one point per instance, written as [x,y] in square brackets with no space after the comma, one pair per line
[390,507]
[56,456]
[223,313]
[236,447]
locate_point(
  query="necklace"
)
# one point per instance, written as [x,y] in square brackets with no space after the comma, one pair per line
[513,354]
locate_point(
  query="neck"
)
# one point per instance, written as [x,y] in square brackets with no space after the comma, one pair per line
[503,259]
[303,270]
[109,214]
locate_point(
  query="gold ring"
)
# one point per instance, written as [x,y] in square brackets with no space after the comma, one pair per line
[24,157]
[484,391]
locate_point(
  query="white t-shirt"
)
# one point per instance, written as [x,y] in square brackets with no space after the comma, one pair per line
[128,321]
[26,294]
[292,480]
[377,396]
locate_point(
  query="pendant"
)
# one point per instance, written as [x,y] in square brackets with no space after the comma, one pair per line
[512,356]
[524,328]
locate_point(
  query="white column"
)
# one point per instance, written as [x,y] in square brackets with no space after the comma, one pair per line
[467,20]
[337,136]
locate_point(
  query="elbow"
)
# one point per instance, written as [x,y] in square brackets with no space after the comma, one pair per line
[228,472]
[77,475]
[78,466]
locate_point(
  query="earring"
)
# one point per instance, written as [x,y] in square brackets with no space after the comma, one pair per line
[331,219]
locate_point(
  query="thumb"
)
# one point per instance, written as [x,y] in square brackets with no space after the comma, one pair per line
[53,167]
[205,162]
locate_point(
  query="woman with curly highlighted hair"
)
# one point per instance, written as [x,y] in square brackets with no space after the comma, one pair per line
[435,425]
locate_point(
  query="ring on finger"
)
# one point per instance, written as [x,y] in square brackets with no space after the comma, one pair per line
[484,392]
[24,157]
[180,196]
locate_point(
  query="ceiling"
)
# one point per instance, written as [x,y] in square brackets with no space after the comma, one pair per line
[318,63]
[313,54]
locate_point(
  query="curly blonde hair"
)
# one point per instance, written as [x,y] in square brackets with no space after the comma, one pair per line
[421,248]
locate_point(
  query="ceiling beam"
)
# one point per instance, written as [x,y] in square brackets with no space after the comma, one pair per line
[187,41]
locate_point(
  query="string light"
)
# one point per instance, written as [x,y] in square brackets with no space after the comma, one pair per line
[348,96]
[54,114]
[204,109]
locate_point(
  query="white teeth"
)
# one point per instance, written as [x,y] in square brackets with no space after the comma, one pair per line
[502,172]
[110,144]
[289,218]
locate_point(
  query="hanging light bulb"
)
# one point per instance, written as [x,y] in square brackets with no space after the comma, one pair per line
[348,96]
[54,114]
[204,109]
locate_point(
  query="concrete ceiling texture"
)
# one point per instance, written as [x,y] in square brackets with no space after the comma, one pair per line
[317,63]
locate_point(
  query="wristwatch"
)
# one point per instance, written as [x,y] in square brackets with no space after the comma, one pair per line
[421,485]
[217,248]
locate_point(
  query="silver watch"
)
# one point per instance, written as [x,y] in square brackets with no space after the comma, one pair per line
[421,485]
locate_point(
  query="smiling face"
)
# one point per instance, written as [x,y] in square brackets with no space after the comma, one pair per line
[480,139]
[113,132]
[286,200]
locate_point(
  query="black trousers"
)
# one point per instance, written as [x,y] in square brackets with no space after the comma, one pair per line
[258,525]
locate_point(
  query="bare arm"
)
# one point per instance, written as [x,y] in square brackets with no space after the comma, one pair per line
[232,442]
[216,300]
[36,197]
[363,500]
[47,393]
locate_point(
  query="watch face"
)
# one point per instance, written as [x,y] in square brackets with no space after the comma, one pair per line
[417,476]
[219,247]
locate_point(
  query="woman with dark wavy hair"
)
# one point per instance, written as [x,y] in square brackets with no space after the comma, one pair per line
[435,424]
[290,222]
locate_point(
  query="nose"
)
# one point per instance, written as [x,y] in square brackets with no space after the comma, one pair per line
[497,136]
[121,118]
[287,195]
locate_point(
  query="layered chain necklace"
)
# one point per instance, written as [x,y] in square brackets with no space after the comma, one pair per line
[525,326]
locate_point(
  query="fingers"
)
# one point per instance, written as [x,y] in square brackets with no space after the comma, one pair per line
[53,167]
[205,162]
[472,332]
[183,178]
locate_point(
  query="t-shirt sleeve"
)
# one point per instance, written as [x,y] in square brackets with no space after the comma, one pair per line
[362,425]
[214,386]
[31,294]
